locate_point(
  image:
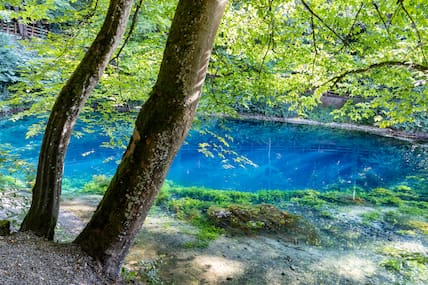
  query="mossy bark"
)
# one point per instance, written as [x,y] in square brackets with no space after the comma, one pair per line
[160,128]
[43,214]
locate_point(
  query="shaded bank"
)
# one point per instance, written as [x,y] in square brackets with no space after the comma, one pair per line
[417,137]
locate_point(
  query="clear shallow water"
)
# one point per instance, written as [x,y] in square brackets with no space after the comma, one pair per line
[247,156]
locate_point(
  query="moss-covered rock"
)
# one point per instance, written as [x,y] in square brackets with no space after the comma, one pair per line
[263,218]
[252,218]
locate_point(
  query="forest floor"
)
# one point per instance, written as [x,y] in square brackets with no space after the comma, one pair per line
[359,253]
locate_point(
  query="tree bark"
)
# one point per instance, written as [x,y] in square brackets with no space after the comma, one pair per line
[160,128]
[43,213]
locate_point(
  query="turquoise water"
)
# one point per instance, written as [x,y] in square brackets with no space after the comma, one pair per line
[245,156]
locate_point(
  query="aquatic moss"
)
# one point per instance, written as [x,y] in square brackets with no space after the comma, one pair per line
[393,264]
[326,214]
[225,197]
[415,208]
[395,218]
[385,197]
[98,185]
[10,182]
[345,197]
[192,204]
[275,196]
[163,197]
[196,206]
[310,198]
[206,233]
[405,192]
[420,225]
[188,208]
[370,217]
[217,196]
[413,266]
[194,211]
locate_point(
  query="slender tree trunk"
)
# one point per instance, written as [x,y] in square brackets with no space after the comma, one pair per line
[160,128]
[43,214]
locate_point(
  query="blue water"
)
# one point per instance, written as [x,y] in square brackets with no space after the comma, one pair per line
[245,156]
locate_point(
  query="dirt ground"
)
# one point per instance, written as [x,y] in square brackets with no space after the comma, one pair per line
[161,256]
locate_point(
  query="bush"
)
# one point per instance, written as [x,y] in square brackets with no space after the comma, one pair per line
[9,61]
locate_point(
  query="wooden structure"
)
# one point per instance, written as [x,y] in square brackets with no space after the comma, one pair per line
[25,31]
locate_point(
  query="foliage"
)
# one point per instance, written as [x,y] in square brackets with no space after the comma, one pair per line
[14,171]
[275,58]
[370,217]
[9,61]
[126,82]
[309,198]
[375,51]
[98,185]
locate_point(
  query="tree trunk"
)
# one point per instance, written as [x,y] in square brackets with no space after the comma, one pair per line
[43,214]
[160,128]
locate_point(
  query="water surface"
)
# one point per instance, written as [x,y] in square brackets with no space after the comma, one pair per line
[246,156]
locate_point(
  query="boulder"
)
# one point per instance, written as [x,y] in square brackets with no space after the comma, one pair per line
[252,218]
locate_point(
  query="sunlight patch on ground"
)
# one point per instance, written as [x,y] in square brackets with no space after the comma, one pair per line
[218,268]
[349,266]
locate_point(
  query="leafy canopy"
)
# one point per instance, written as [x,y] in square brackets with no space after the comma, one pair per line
[270,57]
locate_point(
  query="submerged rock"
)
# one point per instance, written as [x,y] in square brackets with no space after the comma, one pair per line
[252,218]
[264,218]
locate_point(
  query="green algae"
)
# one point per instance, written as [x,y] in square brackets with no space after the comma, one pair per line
[98,185]
[412,265]
[402,206]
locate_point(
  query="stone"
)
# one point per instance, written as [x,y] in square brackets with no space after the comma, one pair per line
[263,219]
[252,218]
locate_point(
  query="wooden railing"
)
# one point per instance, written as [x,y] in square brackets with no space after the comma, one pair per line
[25,31]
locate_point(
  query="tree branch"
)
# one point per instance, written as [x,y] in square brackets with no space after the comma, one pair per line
[348,37]
[314,39]
[382,19]
[400,2]
[271,38]
[414,66]
[131,30]
[322,21]
[89,15]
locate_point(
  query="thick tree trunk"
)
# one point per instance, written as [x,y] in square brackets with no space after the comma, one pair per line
[43,214]
[161,127]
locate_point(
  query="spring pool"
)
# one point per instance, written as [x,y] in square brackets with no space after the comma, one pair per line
[244,156]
